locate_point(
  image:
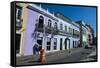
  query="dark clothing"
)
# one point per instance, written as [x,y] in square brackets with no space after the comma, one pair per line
[40,47]
[35,49]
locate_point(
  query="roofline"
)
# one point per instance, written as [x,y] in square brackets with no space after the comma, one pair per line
[44,12]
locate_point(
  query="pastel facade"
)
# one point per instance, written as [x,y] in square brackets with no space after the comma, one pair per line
[90,34]
[53,32]
[86,36]
[21,19]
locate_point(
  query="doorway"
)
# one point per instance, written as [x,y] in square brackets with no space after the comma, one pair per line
[67,43]
[60,43]
[17,46]
[73,44]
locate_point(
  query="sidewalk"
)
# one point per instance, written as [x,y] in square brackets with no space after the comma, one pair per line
[91,56]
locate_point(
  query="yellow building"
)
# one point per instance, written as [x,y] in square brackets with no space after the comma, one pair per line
[21,19]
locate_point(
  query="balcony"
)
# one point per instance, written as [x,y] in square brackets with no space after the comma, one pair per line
[76,35]
[64,33]
[55,31]
[52,30]
[40,29]
[49,29]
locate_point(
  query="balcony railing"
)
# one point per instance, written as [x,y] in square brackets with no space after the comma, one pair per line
[55,31]
[76,36]
[51,30]
[48,29]
[40,29]
[64,32]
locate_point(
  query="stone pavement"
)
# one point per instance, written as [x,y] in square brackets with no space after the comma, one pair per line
[91,56]
[72,55]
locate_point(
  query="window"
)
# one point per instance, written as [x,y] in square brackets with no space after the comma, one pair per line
[75,33]
[55,43]
[78,33]
[18,17]
[41,22]
[61,26]
[55,25]
[49,23]
[66,28]
[18,12]
[70,31]
[48,43]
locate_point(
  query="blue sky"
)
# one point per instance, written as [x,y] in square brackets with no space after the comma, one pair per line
[75,13]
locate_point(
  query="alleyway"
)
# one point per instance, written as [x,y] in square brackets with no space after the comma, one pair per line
[64,56]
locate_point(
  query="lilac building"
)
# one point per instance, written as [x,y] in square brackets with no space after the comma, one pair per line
[53,32]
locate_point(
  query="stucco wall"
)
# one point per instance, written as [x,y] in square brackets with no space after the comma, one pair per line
[30,26]
[31,21]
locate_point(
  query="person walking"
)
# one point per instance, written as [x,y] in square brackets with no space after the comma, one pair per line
[36,48]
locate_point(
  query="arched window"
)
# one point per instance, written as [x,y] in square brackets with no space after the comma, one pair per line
[61,26]
[18,17]
[55,25]
[41,21]
[49,23]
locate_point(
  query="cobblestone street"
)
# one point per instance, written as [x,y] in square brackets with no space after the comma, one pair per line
[64,56]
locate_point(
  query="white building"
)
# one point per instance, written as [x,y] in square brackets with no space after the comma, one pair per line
[59,34]
[54,32]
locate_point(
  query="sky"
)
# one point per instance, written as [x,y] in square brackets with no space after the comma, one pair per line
[75,13]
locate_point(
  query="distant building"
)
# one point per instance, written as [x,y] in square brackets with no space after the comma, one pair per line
[86,33]
[90,34]
[53,32]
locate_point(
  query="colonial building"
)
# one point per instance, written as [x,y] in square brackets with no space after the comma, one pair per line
[90,34]
[53,32]
[86,33]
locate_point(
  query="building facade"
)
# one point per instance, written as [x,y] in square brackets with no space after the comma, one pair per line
[90,34]
[53,32]
[86,33]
